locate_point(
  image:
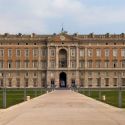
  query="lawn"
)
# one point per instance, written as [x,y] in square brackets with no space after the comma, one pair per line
[110,94]
[15,96]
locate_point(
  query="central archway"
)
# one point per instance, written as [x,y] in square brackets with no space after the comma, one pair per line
[62,79]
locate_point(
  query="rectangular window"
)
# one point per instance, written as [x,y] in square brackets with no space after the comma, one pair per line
[98,52]
[106,64]
[52,64]
[123,64]
[35,52]
[43,52]
[18,82]
[26,64]
[52,52]
[115,52]
[81,64]
[90,52]
[17,64]
[1,64]
[123,52]
[9,64]
[98,64]
[115,81]
[107,52]
[26,52]
[10,83]
[81,52]
[1,82]
[35,64]
[26,82]
[1,52]
[73,64]
[90,82]
[43,64]
[9,52]
[18,52]
[115,64]
[106,81]
[90,64]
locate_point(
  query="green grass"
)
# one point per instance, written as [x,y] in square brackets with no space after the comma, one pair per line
[111,95]
[15,96]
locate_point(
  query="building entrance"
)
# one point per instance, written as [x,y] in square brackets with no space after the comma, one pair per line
[62,79]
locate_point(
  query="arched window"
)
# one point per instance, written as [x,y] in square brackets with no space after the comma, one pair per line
[62,58]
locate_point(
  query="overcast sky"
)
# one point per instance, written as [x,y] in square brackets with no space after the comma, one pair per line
[47,16]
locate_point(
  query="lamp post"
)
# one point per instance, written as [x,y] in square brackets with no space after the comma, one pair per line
[4,91]
[119,92]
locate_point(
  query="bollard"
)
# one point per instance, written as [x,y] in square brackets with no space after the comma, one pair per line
[104,98]
[27,98]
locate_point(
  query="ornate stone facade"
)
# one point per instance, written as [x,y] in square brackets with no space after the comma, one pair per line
[62,59]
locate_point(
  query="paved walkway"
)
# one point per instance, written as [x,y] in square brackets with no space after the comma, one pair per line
[62,107]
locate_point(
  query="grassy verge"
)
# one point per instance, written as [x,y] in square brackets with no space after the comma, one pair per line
[15,96]
[110,94]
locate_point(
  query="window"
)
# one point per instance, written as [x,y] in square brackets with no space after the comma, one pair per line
[1,82]
[52,64]
[35,64]
[17,64]
[115,64]
[26,82]
[107,52]
[98,52]
[52,52]
[73,51]
[26,64]
[106,64]
[90,82]
[73,64]
[9,64]
[123,52]
[35,82]
[34,74]
[26,52]
[18,52]
[18,82]
[43,64]
[43,52]
[26,74]
[1,64]
[115,52]
[89,74]
[81,52]
[10,83]
[90,52]
[98,81]
[90,64]
[123,64]
[9,52]
[106,81]
[1,52]
[98,64]
[35,52]
[1,74]
[81,64]
[115,81]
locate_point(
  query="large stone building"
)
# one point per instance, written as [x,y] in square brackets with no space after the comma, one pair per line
[62,59]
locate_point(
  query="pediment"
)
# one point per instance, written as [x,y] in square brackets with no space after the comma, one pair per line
[62,37]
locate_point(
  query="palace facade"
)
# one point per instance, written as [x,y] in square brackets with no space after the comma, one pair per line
[62,59]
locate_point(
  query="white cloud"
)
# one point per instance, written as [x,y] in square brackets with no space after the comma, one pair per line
[42,15]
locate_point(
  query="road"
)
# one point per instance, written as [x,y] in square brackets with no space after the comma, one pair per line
[62,107]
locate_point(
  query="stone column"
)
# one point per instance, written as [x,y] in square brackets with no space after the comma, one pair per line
[68,57]
[57,57]
[47,57]
[77,57]
[85,57]
[39,57]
